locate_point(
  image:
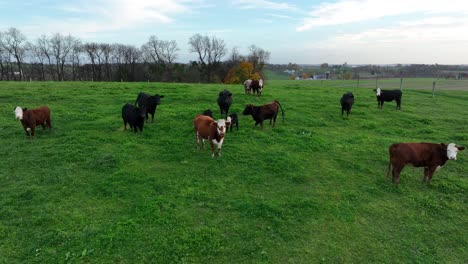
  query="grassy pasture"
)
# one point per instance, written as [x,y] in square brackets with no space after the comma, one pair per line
[311,190]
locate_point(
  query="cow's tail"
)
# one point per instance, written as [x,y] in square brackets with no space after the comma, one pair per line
[282,112]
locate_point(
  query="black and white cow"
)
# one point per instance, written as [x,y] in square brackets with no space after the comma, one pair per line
[388,96]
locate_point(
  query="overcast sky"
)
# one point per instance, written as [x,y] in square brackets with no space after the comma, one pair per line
[302,31]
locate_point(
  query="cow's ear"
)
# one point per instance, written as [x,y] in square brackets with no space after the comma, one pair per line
[24,109]
[375,90]
[461,148]
[161,96]
[443,145]
[213,124]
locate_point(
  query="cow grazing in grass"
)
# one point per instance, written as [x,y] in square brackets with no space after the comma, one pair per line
[149,103]
[431,156]
[30,118]
[347,101]
[134,116]
[234,120]
[388,96]
[247,84]
[208,112]
[257,87]
[207,128]
[267,111]
[224,102]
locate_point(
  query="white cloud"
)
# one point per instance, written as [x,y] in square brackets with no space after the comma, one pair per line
[349,11]
[88,18]
[421,41]
[262,4]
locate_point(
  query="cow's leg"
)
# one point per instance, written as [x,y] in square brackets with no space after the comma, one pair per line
[152,118]
[49,123]
[212,149]
[426,174]
[388,168]
[430,172]
[274,119]
[125,125]
[398,101]
[396,174]
[33,131]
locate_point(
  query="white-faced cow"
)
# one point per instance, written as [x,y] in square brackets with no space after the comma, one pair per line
[30,118]
[347,101]
[149,103]
[388,96]
[224,102]
[431,156]
[247,86]
[267,111]
[207,128]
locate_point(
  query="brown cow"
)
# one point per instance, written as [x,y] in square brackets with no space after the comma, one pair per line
[257,87]
[206,127]
[267,111]
[431,156]
[32,118]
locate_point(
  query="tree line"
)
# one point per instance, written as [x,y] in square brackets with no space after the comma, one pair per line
[66,58]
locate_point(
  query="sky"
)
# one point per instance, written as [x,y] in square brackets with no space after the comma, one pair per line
[302,31]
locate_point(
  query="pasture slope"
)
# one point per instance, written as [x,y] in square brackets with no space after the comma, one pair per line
[311,190]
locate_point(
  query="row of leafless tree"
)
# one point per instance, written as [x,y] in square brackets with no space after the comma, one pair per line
[60,58]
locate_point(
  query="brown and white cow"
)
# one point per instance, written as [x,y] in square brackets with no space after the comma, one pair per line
[207,128]
[30,118]
[431,156]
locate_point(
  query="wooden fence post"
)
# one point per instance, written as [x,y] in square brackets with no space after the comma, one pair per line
[357,86]
[401,84]
[433,88]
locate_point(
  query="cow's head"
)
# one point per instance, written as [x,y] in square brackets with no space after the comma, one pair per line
[220,126]
[225,94]
[452,151]
[248,109]
[140,111]
[19,113]
[378,92]
[156,99]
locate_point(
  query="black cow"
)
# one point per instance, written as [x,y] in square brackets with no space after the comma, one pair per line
[234,121]
[267,111]
[347,101]
[208,112]
[388,96]
[134,116]
[224,102]
[149,103]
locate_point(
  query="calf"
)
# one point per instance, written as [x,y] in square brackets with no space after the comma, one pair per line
[149,103]
[431,156]
[208,112]
[134,116]
[30,118]
[347,101]
[234,121]
[224,102]
[388,96]
[257,87]
[247,86]
[267,111]
[206,128]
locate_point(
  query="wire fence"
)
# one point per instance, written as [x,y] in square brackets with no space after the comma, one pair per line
[397,83]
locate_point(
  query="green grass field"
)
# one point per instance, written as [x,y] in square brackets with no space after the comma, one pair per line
[311,190]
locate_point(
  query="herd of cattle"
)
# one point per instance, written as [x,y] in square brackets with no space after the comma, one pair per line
[430,156]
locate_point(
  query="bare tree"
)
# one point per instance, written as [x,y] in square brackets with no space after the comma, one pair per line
[258,57]
[162,53]
[14,42]
[61,46]
[75,58]
[91,49]
[209,51]
[45,47]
